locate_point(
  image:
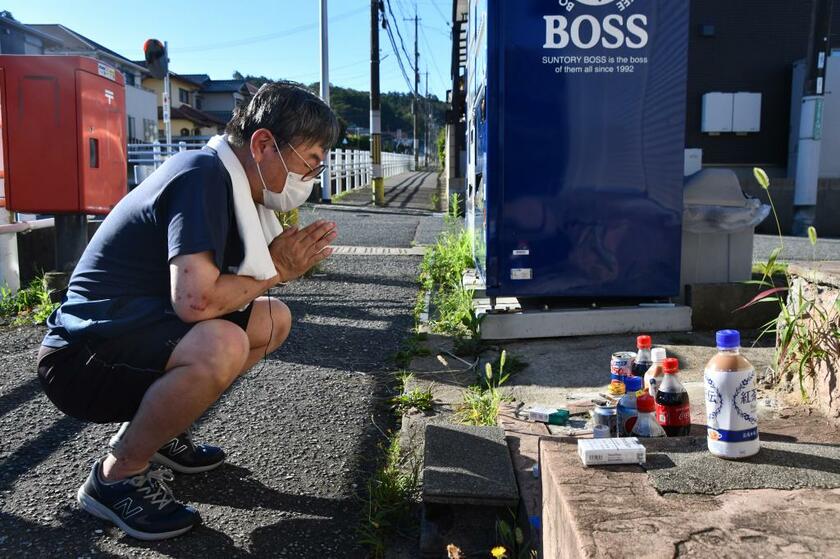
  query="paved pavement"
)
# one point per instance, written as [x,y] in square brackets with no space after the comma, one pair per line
[405,191]
[301,429]
[795,248]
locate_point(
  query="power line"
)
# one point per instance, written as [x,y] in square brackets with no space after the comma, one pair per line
[402,43]
[396,52]
[447,34]
[261,38]
[434,64]
[437,9]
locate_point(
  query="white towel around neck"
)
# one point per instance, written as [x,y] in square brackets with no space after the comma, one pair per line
[257,225]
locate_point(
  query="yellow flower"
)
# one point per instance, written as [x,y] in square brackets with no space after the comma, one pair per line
[488,371]
[499,552]
[761,177]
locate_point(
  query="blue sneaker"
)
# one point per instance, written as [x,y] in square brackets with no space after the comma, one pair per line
[182,455]
[142,506]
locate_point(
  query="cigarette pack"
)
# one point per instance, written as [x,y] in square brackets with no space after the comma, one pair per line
[553,416]
[625,450]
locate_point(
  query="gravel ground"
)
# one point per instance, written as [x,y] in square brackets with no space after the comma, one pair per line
[795,248]
[301,429]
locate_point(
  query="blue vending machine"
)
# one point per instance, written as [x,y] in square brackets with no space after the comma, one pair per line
[575,124]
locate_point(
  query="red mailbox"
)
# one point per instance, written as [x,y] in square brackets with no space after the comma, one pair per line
[64,138]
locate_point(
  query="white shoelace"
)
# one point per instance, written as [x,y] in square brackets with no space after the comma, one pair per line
[153,484]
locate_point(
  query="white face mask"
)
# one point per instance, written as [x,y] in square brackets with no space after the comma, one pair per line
[295,192]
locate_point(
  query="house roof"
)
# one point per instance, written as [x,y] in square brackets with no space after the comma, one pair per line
[8,20]
[224,86]
[195,116]
[197,78]
[74,41]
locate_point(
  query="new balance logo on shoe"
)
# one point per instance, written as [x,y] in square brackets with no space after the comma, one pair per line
[124,508]
[173,447]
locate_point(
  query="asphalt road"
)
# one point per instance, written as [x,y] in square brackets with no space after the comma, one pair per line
[301,429]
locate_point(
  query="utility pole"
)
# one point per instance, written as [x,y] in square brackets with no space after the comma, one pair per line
[326,187]
[416,86]
[426,110]
[167,100]
[378,183]
[810,120]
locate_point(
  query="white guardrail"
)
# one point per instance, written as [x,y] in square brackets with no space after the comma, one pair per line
[349,168]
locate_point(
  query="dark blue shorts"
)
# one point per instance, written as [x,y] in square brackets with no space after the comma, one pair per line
[104,381]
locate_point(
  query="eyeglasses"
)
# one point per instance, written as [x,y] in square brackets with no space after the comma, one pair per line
[313,171]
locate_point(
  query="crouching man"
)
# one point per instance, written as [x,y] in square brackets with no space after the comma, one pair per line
[164,310]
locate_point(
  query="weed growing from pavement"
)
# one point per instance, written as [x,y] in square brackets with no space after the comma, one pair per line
[512,539]
[420,399]
[391,496]
[482,401]
[30,305]
[441,274]
[513,364]
[798,346]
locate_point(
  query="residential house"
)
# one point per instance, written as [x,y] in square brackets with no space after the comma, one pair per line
[139,102]
[17,38]
[221,97]
[187,117]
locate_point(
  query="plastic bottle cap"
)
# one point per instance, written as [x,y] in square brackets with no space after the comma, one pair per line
[633,384]
[728,339]
[643,342]
[645,404]
[670,366]
[658,354]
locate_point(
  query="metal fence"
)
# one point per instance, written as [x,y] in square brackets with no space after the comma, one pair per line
[349,168]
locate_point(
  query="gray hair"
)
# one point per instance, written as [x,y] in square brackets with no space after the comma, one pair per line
[290,111]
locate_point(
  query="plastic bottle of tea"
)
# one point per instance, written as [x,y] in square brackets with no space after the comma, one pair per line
[731,406]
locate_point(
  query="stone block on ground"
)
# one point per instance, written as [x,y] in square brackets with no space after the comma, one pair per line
[589,513]
[713,305]
[684,465]
[465,464]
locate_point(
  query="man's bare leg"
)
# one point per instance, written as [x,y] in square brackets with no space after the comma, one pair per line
[259,328]
[202,366]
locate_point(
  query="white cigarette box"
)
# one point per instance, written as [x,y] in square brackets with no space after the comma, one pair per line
[625,450]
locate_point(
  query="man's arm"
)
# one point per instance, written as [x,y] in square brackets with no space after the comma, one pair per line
[199,291]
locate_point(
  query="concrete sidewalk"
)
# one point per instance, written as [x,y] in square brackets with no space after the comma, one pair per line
[413,190]
[301,429]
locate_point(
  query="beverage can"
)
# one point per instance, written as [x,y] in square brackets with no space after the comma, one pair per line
[621,367]
[621,364]
[605,415]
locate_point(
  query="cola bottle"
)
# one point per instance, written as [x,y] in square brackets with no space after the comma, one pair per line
[646,425]
[643,357]
[672,408]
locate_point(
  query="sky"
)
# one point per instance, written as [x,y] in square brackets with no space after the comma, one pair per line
[275,38]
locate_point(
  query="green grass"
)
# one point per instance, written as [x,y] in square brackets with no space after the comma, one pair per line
[441,273]
[513,365]
[391,495]
[30,305]
[774,269]
[420,399]
[482,401]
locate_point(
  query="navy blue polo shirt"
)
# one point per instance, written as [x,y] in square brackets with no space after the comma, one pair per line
[122,280]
